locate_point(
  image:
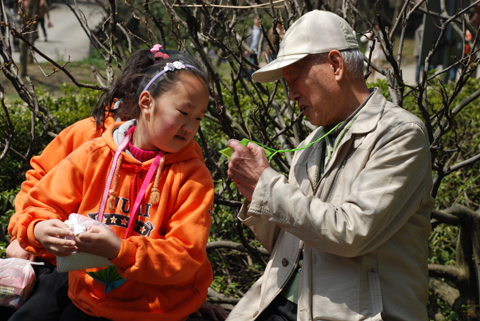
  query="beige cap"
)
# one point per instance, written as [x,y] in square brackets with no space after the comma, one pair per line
[315,32]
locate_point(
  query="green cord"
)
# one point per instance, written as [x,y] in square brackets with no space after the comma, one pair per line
[228,151]
[300,148]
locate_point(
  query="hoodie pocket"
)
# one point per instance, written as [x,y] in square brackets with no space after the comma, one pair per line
[375,294]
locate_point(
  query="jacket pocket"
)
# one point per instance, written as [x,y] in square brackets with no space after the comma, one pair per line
[375,295]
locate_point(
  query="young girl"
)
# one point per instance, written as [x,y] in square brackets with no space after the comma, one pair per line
[118,102]
[161,254]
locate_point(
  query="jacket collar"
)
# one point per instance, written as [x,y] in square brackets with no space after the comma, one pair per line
[370,114]
[367,120]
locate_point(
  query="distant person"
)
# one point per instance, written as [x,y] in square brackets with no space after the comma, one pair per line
[42,11]
[417,50]
[14,19]
[377,54]
[475,16]
[280,31]
[256,41]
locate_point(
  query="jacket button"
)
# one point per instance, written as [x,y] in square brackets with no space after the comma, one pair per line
[255,314]
[284,262]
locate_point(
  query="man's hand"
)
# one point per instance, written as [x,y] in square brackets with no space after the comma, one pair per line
[15,250]
[215,312]
[52,235]
[246,166]
[99,240]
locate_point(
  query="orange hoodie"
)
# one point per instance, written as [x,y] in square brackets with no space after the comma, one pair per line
[60,147]
[167,271]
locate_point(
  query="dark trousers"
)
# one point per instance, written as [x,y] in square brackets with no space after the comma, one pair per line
[48,298]
[41,21]
[279,310]
[72,313]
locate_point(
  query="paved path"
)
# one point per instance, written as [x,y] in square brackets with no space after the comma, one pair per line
[66,37]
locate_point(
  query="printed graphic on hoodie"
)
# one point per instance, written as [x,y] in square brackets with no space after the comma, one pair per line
[122,220]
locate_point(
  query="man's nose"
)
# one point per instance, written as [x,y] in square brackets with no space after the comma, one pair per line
[293,94]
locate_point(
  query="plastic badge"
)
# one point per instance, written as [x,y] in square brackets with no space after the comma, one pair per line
[228,151]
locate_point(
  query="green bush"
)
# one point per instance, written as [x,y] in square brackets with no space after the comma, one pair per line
[461,187]
[75,104]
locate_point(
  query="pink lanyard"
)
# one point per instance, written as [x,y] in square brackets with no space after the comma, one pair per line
[141,193]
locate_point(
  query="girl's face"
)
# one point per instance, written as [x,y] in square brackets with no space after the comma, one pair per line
[171,121]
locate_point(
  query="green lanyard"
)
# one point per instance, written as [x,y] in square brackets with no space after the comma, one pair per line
[270,152]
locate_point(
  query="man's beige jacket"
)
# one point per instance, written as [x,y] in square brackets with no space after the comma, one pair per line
[364,225]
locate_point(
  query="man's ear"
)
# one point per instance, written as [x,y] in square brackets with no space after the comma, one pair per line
[146,102]
[336,60]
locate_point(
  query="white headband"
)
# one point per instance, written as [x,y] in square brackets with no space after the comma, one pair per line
[170,66]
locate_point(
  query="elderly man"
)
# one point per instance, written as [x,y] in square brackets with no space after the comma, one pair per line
[348,231]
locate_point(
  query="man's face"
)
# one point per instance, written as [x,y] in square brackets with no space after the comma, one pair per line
[313,87]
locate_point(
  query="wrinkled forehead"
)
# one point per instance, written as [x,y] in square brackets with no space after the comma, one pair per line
[297,69]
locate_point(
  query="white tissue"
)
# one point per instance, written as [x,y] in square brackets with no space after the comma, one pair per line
[78,260]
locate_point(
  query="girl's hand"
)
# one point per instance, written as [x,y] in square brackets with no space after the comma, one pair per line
[52,235]
[15,250]
[99,240]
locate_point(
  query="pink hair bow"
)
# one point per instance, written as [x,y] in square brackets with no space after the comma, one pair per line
[158,54]
[156,48]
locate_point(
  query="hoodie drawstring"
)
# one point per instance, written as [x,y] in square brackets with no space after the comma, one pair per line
[112,196]
[109,193]
[155,195]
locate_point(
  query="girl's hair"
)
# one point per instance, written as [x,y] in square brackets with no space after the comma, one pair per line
[169,79]
[125,87]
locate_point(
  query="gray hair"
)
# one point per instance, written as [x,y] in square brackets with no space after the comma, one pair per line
[352,58]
